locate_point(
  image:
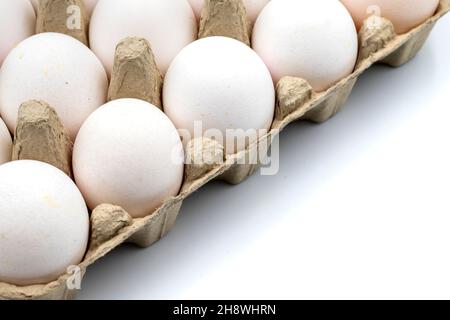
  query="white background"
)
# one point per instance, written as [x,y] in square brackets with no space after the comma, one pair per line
[360,208]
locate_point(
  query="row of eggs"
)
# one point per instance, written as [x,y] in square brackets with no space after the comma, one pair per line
[171,25]
[128,152]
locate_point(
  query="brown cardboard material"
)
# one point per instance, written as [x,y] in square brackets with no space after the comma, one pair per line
[52,16]
[106,221]
[371,39]
[135,74]
[292,93]
[41,136]
[295,101]
[202,156]
[225,18]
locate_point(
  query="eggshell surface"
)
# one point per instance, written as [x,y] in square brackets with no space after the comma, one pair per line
[314,40]
[253,7]
[5,143]
[197,6]
[17,22]
[128,153]
[404,14]
[57,69]
[35,4]
[222,84]
[167,25]
[44,223]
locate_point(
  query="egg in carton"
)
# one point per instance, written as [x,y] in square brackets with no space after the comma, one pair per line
[111,225]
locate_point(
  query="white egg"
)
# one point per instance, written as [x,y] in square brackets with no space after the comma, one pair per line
[57,69]
[404,14]
[128,153]
[5,143]
[315,40]
[17,22]
[44,225]
[253,7]
[90,5]
[223,85]
[167,25]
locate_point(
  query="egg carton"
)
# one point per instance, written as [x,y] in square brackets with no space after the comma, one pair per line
[111,226]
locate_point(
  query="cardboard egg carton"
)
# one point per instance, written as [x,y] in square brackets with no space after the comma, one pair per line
[111,226]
